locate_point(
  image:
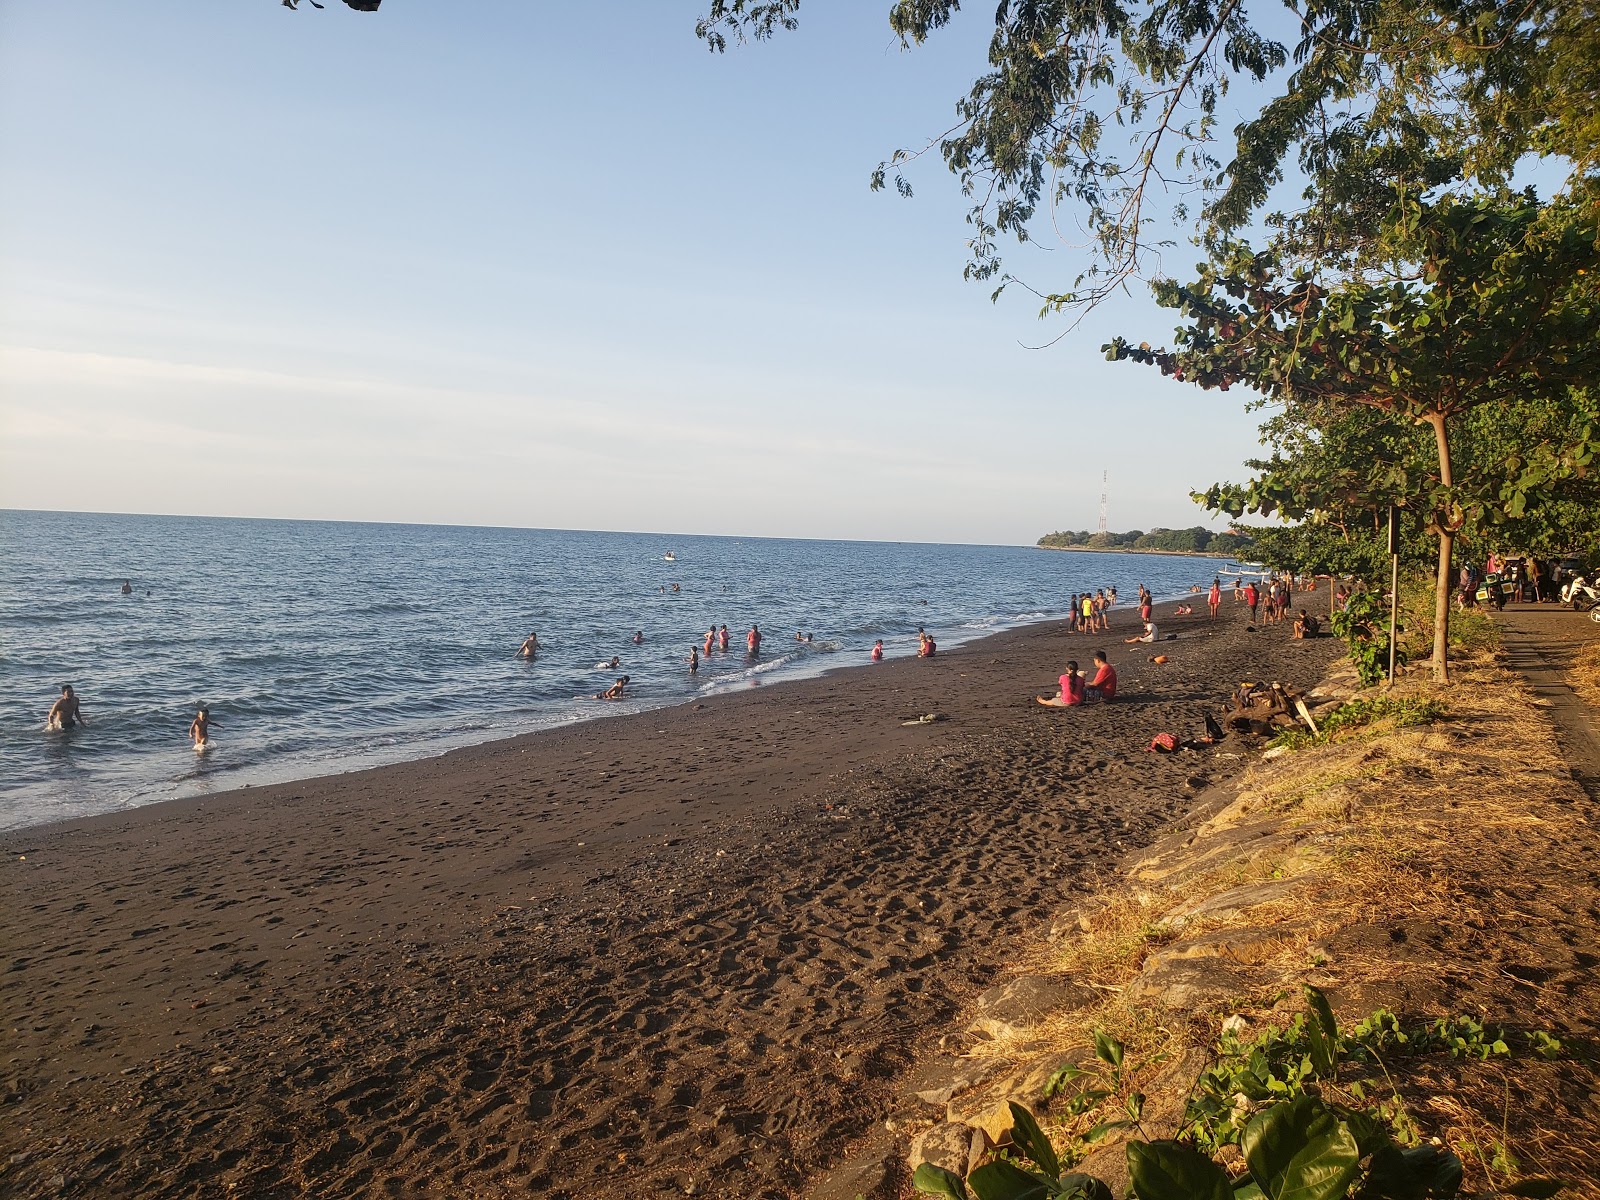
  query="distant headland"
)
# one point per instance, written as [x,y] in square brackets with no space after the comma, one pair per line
[1198,540]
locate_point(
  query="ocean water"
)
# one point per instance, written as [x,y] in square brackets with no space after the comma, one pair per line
[326,646]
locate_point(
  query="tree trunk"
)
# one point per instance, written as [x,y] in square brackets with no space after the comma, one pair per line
[1447,539]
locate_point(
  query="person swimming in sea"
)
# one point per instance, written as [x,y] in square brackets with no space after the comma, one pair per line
[638,637]
[200,728]
[127,587]
[530,648]
[65,712]
[614,692]
[615,662]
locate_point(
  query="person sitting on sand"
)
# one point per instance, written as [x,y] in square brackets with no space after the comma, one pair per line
[65,712]
[752,641]
[877,650]
[694,659]
[530,647]
[928,646]
[1104,684]
[614,692]
[1071,693]
[200,728]
[1305,625]
[1149,635]
[1183,610]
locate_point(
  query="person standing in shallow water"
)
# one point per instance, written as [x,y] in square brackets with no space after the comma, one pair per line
[65,712]
[752,641]
[200,729]
[127,587]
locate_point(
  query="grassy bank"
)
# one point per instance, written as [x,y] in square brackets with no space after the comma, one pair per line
[1428,865]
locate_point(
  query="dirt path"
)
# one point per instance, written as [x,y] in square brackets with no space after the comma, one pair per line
[1540,642]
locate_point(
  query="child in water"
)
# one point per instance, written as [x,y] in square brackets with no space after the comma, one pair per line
[200,729]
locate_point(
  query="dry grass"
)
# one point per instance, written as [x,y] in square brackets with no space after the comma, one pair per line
[1449,865]
[1585,673]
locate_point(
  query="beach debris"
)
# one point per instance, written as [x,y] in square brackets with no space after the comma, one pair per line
[926,719]
[1163,743]
[1159,658]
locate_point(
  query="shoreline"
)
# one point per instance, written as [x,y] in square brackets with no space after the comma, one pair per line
[424,746]
[689,947]
[1144,550]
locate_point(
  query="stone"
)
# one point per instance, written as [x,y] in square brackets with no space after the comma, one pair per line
[1109,1164]
[936,1085]
[944,1146]
[1224,906]
[1026,1085]
[1244,943]
[990,1116]
[1021,1003]
[1189,984]
[869,1172]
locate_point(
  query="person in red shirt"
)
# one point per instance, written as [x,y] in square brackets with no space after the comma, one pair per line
[1252,598]
[752,641]
[1104,684]
[1215,598]
[1071,693]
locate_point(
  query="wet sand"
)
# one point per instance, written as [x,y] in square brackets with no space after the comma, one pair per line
[681,950]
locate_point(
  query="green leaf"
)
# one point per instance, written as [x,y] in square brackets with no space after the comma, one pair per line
[1082,1187]
[936,1181]
[1001,1180]
[1031,1140]
[1107,1049]
[1168,1171]
[1248,1189]
[1300,1151]
[1536,1187]
[1396,1174]
[1323,1032]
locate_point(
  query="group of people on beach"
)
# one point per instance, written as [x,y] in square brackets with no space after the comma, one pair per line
[1086,611]
[1076,689]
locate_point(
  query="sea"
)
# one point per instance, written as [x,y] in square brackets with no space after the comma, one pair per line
[328,646]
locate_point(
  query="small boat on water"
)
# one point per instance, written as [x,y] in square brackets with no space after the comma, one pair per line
[1243,569]
[669,556]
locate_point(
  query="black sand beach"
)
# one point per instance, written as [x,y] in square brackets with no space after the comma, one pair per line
[683,950]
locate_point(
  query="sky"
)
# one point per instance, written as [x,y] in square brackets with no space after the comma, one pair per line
[540,265]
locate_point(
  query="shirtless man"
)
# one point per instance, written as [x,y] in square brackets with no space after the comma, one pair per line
[694,659]
[530,647]
[65,713]
[200,729]
[127,587]
[614,692]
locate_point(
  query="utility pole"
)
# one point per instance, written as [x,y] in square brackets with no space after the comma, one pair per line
[1394,583]
[1104,478]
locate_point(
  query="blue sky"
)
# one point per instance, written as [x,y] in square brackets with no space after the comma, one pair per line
[494,263]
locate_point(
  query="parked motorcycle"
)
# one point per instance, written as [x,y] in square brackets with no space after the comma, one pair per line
[1580,594]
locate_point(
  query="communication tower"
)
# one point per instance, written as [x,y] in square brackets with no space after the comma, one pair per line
[1105,477]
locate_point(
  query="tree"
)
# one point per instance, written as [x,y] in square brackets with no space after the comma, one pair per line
[1383,93]
[1480,304]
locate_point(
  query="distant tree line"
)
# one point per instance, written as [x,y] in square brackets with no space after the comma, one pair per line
[1198,540]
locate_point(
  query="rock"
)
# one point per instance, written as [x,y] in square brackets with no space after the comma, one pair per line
[868,1172]
[1189,984]
[1197,783]
[1026,1085]
[1023,1002]
[1109,1163]
[936,1085]
[1226,905]
[944,1146]
[1167,1095]
[990,1116]
[1241,943]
